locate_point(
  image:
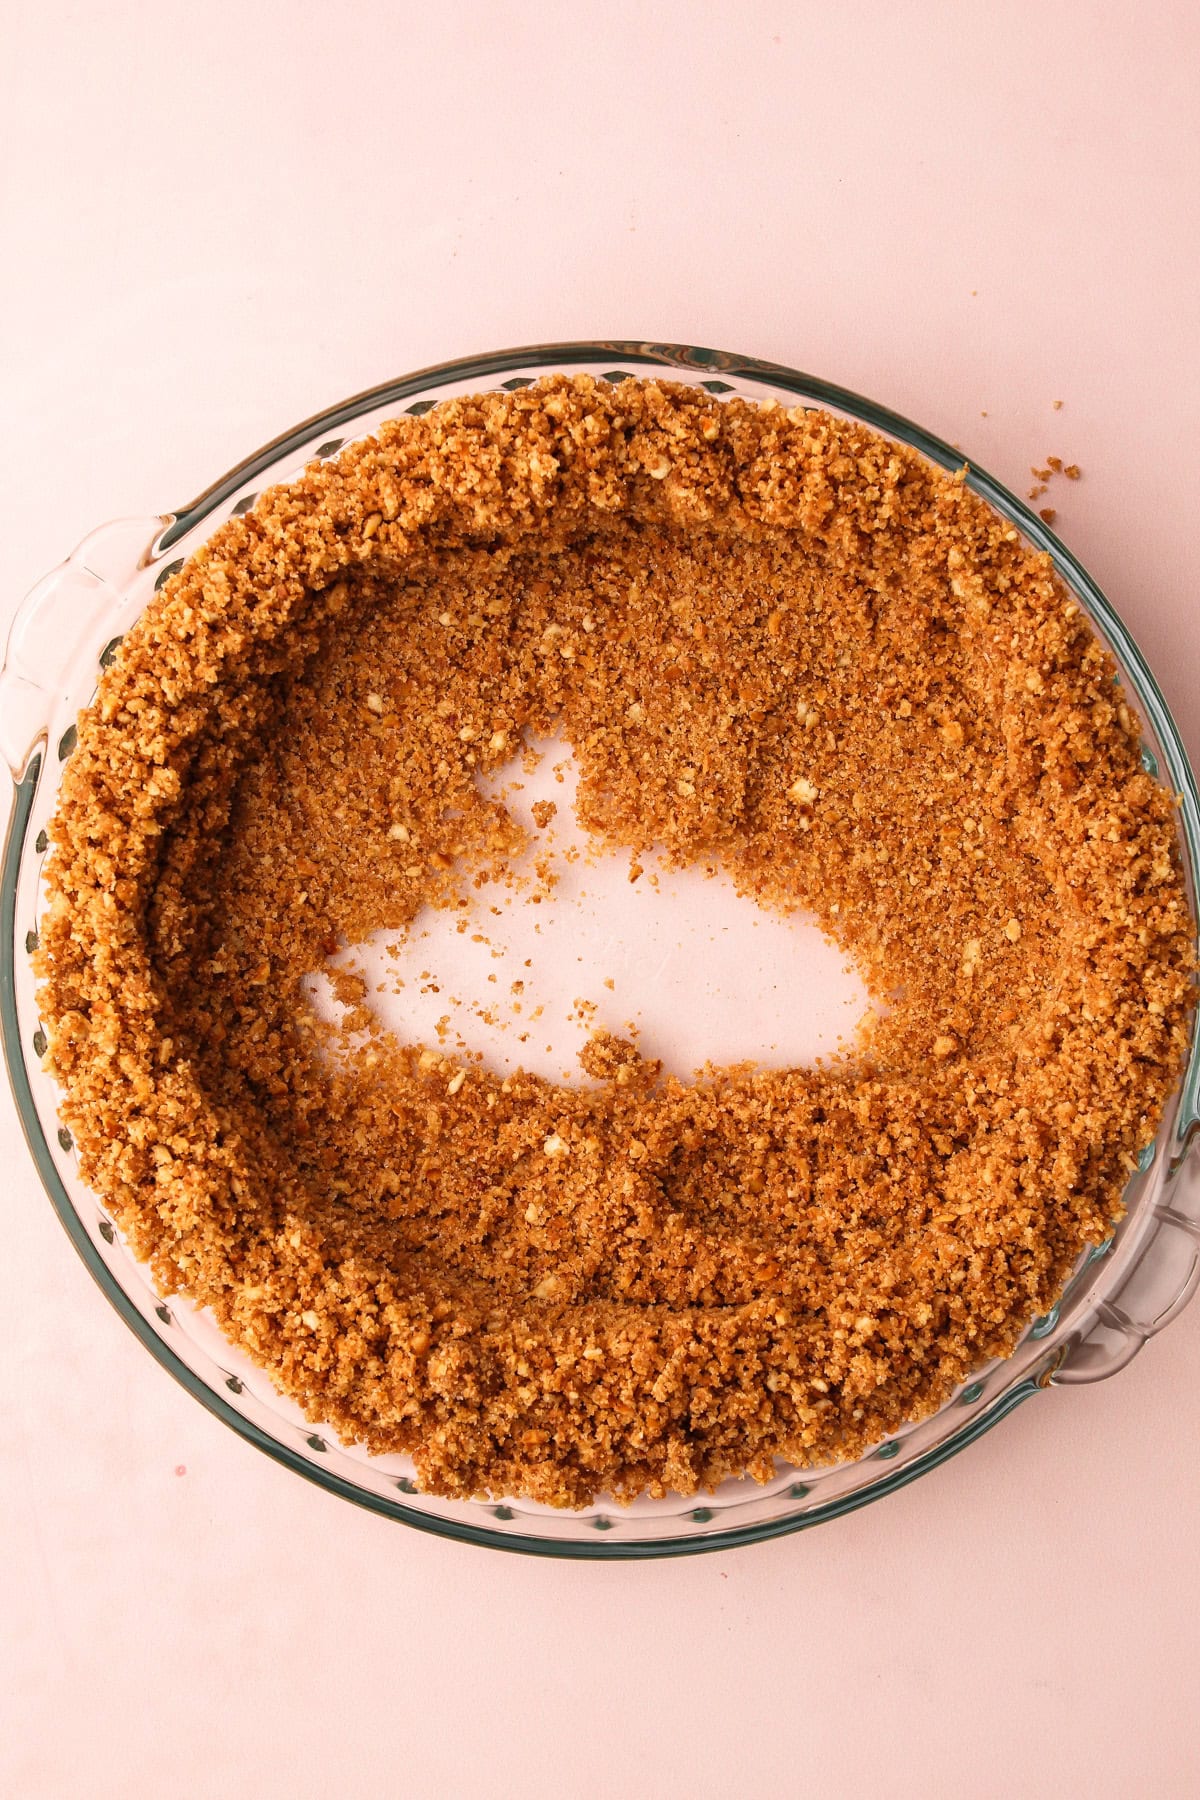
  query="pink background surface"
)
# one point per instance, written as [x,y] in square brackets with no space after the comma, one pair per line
[215,221]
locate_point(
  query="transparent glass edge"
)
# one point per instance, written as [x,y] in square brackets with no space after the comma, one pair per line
[30,677]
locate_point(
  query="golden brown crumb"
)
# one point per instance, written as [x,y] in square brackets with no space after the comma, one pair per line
[1072,471]
[1048,514]
[778,644]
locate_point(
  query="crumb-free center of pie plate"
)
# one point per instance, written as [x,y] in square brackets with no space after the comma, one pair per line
[587,939]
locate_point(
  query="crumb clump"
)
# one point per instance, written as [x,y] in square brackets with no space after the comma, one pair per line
[776,643]
[1042,478]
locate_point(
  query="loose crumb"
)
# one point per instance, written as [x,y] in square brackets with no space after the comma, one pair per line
[797,653]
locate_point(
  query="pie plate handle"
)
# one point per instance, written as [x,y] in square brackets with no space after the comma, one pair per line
[1162,1277]
[63,619]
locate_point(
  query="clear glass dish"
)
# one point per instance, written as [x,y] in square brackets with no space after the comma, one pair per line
[1120,1295]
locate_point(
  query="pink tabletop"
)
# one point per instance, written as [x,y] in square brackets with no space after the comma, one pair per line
[217,220]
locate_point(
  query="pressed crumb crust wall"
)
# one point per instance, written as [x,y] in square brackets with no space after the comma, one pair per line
[777,644]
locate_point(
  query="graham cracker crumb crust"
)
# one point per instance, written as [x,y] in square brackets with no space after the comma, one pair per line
[776,642]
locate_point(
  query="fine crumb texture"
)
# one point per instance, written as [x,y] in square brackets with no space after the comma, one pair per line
[777,644]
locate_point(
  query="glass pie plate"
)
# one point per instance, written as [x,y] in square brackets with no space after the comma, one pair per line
[1121,1293]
